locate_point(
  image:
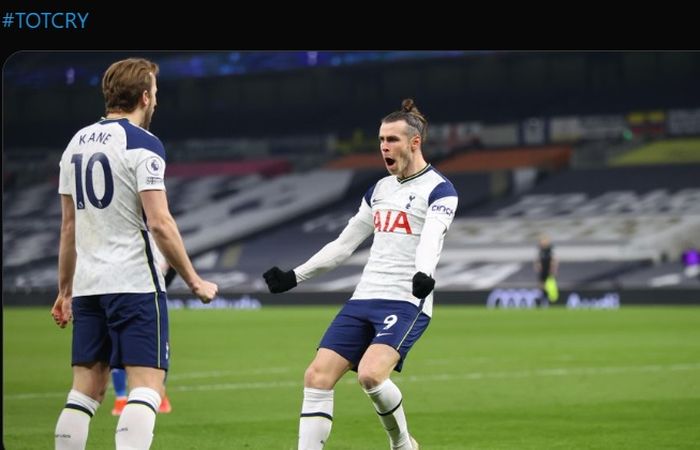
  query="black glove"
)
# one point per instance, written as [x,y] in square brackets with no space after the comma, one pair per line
[169,276]
[422,285]
[280,281]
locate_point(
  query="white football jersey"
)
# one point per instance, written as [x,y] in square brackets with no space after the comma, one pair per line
[398,211]
[103,169]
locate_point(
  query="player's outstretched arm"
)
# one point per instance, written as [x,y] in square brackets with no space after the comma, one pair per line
[280,281]
[167,237]
[359,227]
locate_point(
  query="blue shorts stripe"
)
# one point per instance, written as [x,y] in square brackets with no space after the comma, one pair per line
[408,332]
[157,327]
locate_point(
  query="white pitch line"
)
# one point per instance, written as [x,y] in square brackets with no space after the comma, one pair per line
[554,372]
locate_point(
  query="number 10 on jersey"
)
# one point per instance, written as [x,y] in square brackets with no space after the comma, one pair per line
[106,199]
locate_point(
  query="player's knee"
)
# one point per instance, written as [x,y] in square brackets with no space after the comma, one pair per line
[92,388]
[315,378]
[369,378]
[93,393]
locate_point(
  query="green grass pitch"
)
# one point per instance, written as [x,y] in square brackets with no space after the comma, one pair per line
[478,379]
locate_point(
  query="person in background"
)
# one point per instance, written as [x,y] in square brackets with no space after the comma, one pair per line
[546,266]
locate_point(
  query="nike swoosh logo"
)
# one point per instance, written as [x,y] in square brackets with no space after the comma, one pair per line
[375,200]
[383,334]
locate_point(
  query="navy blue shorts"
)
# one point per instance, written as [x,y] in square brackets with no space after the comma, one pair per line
[361,323]
[122,329]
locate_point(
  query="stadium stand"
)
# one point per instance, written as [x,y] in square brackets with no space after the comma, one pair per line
[249,193]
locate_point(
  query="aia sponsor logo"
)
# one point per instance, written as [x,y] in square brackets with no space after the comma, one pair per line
[391,222]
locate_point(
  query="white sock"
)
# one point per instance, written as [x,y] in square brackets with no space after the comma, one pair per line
[388,404]
[316,418]
[74,422]
[135,426]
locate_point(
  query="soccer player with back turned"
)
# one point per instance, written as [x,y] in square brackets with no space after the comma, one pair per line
[114,211]
[409,213]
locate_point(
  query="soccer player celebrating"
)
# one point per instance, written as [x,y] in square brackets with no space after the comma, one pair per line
[409,213]
[114,213]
